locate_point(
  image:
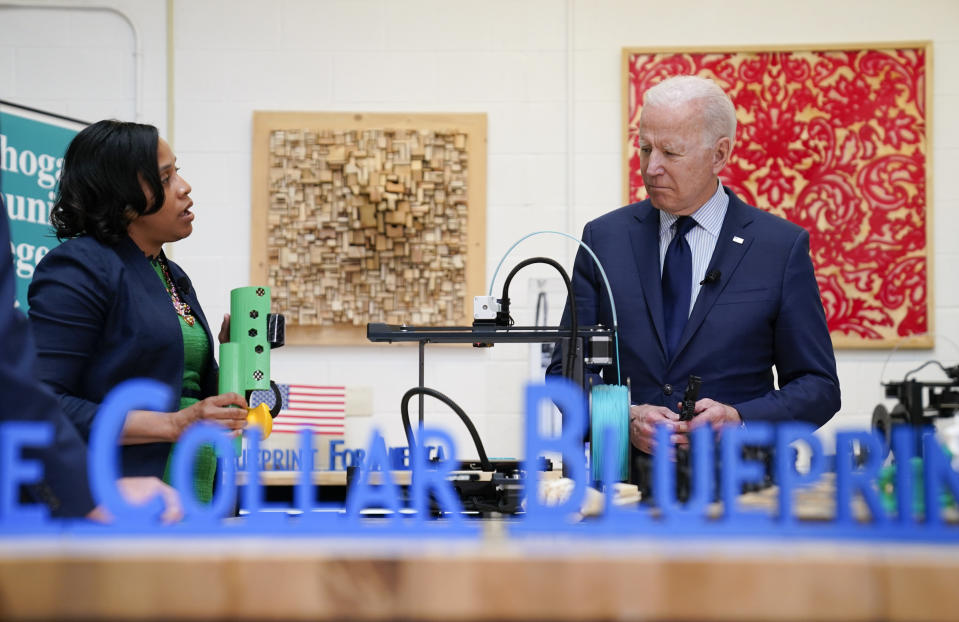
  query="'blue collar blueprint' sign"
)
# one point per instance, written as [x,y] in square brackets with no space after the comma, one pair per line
[431,494]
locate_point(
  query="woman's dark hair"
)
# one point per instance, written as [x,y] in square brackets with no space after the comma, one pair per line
[100,190]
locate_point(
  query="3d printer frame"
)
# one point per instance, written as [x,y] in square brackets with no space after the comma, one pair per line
[504,492]
[485,336]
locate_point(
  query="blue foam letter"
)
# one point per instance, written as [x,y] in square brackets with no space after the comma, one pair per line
[850,480]
[937,469]
[252,497]
[734,471]
[15,435]
[903,450]
[362,493]
[434,477]
[571,401]
[701,475]
[104,461]
[787,477]
[184,456]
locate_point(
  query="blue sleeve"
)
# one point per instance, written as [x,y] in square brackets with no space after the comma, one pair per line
[803,352]
[68,305]
[64,487]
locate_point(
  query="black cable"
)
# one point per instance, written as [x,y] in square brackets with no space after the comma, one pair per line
[405,412]
[573,321]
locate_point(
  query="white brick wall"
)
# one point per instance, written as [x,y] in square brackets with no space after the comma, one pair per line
[76,62]
[83,58]
[508,58]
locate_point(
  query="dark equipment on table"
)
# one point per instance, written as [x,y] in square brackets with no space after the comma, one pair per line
[919,402]
[484,486]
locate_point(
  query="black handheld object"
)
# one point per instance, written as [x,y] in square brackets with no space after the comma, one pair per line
[686,413]
[690,396]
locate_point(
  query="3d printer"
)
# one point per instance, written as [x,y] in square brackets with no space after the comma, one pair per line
[497,485]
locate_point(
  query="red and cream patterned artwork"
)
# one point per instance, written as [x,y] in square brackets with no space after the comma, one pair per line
[835,141]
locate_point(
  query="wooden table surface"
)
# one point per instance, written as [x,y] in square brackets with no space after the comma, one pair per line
[492,578]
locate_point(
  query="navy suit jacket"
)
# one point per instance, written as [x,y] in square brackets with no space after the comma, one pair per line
[64,486]
[763,312]
[101,315]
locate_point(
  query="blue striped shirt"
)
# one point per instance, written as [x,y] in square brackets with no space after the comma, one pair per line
[702,239]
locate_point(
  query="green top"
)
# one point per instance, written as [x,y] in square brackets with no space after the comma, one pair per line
[196,349]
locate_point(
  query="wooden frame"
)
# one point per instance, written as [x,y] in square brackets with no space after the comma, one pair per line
[468,131]
[838,139]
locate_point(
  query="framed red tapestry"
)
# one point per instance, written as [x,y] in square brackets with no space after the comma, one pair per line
[835,139]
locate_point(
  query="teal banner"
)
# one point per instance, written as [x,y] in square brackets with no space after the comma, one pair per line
[32,144]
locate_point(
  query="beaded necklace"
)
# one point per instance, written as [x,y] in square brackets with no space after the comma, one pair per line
[182,308]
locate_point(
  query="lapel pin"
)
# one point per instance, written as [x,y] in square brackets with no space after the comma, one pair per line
[737,239]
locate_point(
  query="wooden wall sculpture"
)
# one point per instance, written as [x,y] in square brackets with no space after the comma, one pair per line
[368,218]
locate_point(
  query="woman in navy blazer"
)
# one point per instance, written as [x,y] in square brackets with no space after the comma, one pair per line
[107,306]
[63,486]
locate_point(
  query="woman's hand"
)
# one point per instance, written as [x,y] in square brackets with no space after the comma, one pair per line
[224,336]
[218,408]
[139,490]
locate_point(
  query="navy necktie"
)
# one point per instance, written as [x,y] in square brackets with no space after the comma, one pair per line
[677,283]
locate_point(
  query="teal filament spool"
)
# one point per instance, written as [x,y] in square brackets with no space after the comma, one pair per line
[609,411]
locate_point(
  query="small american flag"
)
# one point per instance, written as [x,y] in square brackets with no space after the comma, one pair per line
[319,408]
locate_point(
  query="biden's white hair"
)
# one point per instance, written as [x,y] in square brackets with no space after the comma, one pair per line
[719,114]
